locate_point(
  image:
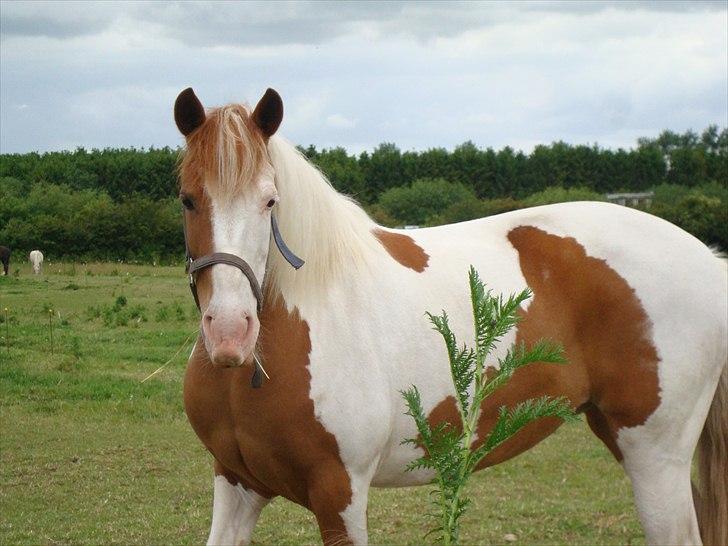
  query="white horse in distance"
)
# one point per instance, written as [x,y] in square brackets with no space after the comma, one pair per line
[36,258]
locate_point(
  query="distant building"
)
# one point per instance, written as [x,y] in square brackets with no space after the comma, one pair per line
[643,200]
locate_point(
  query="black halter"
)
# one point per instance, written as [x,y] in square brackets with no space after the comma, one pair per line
[193,265]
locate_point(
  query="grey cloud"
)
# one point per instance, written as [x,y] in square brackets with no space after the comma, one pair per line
[199,23]
[56,19]
[47,26]
[570,6]
[280,23]
[291,22]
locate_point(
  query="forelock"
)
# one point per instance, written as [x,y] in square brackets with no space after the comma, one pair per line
[227,152]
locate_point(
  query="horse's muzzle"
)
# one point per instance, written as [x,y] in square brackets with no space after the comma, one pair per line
[230,339]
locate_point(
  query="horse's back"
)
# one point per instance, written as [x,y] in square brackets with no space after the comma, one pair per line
[663,264]
[656,258]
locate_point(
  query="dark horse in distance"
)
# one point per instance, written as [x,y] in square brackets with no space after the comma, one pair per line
[5,259]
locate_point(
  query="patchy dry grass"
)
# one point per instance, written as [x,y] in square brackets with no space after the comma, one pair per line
[90,455]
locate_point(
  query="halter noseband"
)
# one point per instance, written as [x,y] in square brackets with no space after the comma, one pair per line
[223,258]
[194,265]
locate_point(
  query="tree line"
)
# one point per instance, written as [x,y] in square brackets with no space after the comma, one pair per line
[120,203]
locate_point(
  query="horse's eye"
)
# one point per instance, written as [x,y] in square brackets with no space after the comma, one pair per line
[187,203]
[271,203]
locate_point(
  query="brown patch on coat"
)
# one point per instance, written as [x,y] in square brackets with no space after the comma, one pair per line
[403,249]
[269,438]
[521,387]
[582,303]
[198,230]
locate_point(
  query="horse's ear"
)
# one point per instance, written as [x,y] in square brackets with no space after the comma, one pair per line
[189,113]
[268,114]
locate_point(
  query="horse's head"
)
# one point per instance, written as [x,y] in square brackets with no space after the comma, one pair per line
[227,189]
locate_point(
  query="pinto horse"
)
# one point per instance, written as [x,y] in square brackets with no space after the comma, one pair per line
[639,305]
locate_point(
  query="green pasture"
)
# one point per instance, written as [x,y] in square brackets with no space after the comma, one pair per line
[89,454]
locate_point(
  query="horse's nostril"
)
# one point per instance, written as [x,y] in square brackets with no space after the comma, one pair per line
[207,319]
[245,326]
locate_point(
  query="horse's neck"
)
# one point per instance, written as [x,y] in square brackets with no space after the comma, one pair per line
[328,230]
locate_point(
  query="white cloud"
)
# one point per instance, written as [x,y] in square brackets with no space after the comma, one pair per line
[304,110]
[340,122]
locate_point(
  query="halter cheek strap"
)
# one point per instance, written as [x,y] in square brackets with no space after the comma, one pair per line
[290,257]
[194,265]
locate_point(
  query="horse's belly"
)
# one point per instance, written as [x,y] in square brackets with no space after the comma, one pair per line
[531,382]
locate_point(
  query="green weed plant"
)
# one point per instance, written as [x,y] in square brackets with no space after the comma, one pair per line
[449,449]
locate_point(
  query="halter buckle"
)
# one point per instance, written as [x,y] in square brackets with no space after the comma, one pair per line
[188,266]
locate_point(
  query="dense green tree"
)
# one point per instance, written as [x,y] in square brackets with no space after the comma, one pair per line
[461,211]
[342,170]
[474,167]
[119,172]
[421,202]
[88,224]
[382,170]
[703,216]
[512,178]
[558,194]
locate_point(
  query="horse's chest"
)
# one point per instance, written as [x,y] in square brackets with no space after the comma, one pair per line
[269,437]
[207,404]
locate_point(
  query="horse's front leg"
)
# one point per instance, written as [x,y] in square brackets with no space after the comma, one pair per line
[235,509]
[339,503]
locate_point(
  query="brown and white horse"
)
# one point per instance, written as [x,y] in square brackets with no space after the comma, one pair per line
[639,305]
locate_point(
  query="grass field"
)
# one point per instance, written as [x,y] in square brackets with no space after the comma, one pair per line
[89,454]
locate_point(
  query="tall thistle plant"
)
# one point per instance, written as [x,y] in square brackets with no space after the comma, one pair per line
[449,449]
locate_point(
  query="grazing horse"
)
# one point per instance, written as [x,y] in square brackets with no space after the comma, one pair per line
[36,259]
[639,305]
[5,258]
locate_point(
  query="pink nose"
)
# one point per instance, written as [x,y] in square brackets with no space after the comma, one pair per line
[229,337]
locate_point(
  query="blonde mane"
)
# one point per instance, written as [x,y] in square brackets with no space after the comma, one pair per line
[330,231]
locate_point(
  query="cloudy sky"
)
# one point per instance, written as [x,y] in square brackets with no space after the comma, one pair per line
[420,74]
